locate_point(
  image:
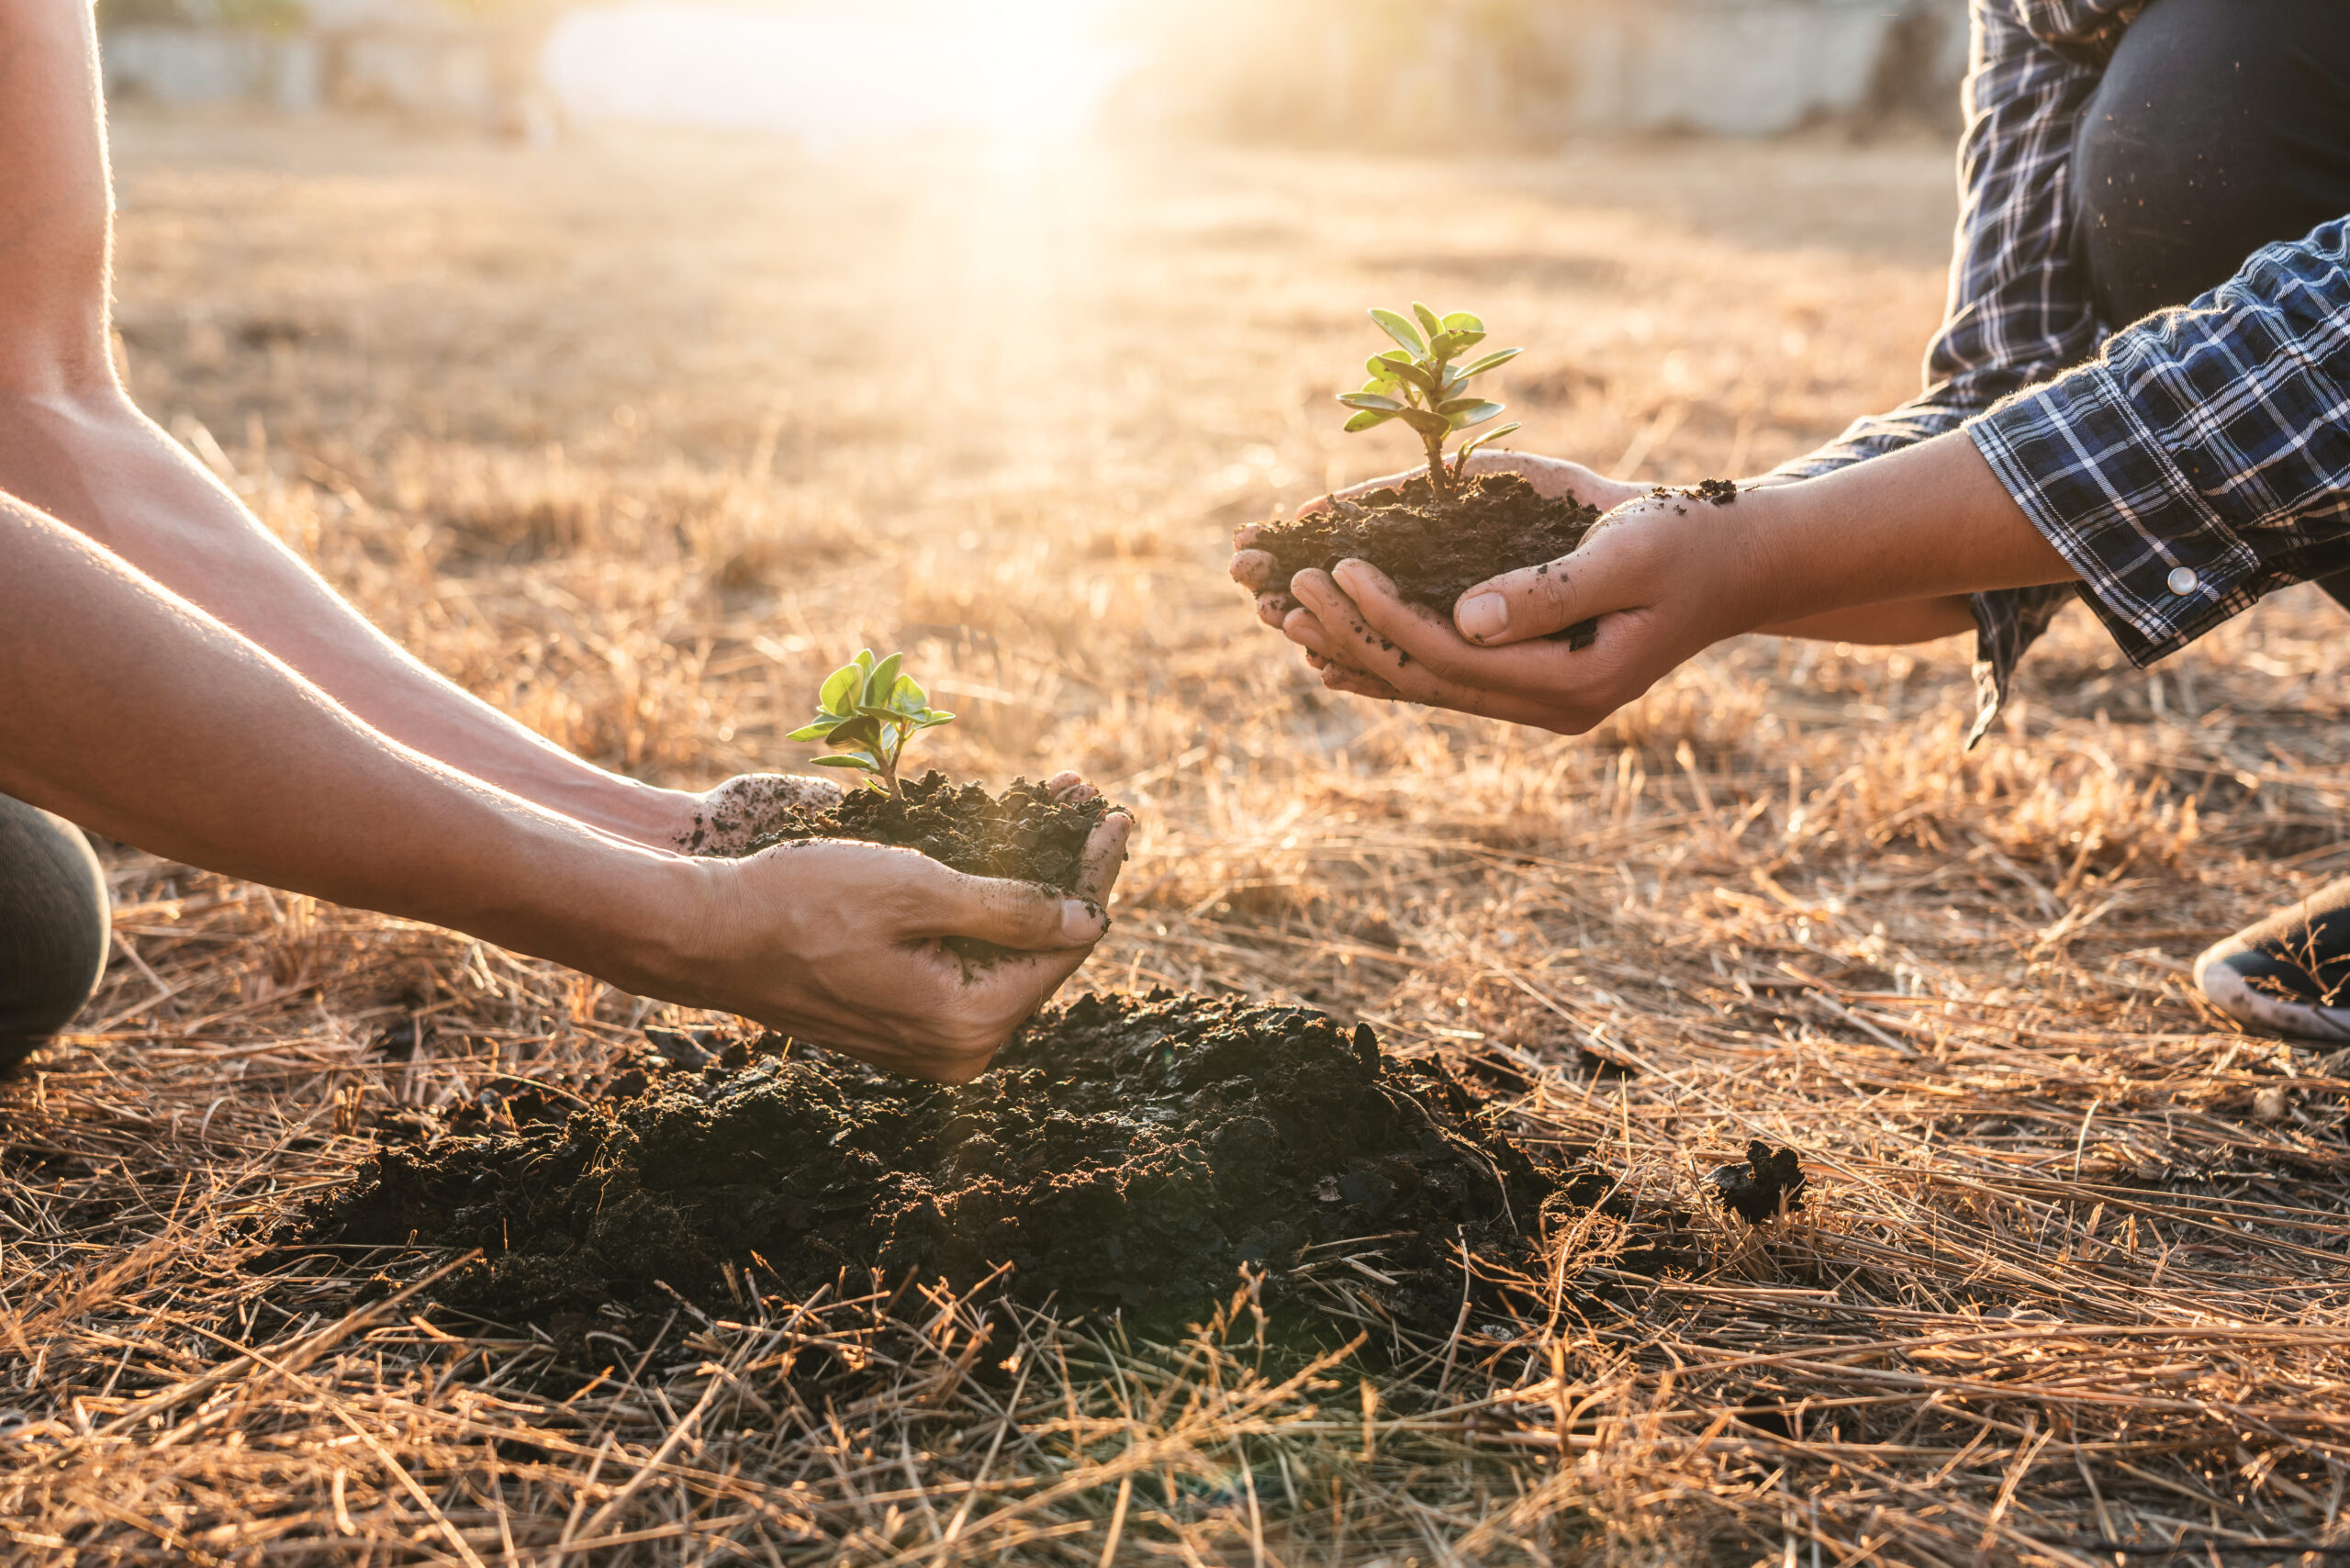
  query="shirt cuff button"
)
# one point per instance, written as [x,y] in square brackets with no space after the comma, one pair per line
[2182,580]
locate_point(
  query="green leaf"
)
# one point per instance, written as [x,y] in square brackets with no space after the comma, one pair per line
[1499,356]
[844,760]
[1367,419]
[908,696]
[1370,400]
[864,729]
[1376,388]
[883,676]
[1382,366]
[932,718]
[1495,433]
[865,660]
[1462,404]
[1418,375]
[1451,343]
[1476,413]
[1462,321]
[1403,331]
[1430,322]
[1425,422]
[814,732]
[840,688]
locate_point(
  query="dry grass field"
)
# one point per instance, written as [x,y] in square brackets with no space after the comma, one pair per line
[638,436]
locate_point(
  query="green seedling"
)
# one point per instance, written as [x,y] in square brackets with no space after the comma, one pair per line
[1418,382]
[870,710]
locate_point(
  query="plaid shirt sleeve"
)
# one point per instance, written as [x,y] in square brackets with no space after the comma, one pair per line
[2017,310]
[2204,459]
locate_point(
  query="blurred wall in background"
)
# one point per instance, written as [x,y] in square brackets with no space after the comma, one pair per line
[1456,73]
[1442,75]
[465,64]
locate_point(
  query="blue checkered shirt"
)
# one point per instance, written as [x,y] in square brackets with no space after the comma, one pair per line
[2184,466]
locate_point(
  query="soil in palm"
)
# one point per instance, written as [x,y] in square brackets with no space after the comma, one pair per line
[1125,1153]
[1435,551]
[1024,833]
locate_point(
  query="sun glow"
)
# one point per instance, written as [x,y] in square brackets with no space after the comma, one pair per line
[1014,71]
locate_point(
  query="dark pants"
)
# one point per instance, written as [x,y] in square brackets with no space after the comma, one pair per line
[2221,126]
[53,930]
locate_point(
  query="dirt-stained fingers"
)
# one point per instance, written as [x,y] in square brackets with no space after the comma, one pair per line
[997,909]
[1070,788]
[1339,677]
[1613,568]
[1327,622]
[1254,570]
[1104,855]
[1532,602]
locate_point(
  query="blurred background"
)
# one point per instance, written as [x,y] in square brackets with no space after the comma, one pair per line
[1407,73]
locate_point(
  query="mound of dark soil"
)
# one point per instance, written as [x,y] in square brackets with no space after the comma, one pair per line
[1023,833]
[1124,1152]
[1436,550]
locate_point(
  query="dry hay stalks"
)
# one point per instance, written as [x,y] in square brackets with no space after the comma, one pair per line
[2065,1290]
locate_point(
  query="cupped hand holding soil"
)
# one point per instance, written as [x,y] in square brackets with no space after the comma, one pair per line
[1554,479]
[883,952]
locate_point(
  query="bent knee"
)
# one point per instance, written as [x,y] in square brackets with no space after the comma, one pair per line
[53,924]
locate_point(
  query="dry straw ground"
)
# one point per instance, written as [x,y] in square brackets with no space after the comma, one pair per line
[637,439]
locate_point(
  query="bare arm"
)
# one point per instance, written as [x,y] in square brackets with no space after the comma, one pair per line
[94,461]
[134,711]
[73,446]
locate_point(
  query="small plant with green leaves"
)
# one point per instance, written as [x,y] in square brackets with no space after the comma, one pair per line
[1418,382]
[870,709]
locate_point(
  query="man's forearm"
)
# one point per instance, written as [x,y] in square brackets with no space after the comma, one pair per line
[90,460]
[133,712]
[1930,523]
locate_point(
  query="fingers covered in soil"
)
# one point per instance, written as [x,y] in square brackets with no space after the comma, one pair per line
[1254,569]
[1127,1152]
[730,817]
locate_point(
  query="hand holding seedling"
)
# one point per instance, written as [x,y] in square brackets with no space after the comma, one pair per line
[1417,383]
[1253,568]
[847,945]
[1669,574]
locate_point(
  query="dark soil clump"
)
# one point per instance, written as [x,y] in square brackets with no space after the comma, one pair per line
[1433,552]
[1023,833]
[1124,1152]
[1755,1188]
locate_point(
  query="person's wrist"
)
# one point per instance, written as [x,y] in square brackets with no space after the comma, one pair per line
[641,814]
[654,931]
[1767,573]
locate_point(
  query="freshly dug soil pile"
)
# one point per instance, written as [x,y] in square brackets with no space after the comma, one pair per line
[1124,1152]
[1023,833]
[1433,552]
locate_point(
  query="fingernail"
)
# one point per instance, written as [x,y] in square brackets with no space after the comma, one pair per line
[1486,615]
[1080,919]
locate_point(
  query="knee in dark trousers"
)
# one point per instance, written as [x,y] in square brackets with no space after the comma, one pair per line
[54,926]
[2220,126]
